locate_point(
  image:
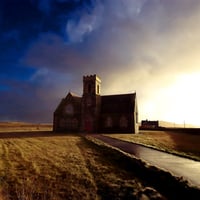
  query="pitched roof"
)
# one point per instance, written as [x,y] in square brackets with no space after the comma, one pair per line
[122,103]
[73,94]
[70,97]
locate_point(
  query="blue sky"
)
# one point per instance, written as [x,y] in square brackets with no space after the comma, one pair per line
[150,46]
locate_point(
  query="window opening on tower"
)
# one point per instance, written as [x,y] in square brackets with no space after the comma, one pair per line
[89,88]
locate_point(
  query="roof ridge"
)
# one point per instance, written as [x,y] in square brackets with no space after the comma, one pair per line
[73,94]
[125,94]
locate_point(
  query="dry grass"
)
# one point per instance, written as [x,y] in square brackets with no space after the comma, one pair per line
[179,143]
[44,166]
[21,127]
[41,165]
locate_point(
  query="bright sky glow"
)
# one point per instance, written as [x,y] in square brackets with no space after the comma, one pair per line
[185,99]
[178,102]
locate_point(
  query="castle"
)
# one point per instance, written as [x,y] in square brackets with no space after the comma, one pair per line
[93,113]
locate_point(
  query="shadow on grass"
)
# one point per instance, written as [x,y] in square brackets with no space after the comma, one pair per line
[32,134]
[186,143]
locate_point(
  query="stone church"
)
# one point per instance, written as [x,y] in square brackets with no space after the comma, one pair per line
[93,113]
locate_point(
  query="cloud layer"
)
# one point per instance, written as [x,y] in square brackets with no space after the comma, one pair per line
[142,45]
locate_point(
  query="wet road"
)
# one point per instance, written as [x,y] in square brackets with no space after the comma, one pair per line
[178,166]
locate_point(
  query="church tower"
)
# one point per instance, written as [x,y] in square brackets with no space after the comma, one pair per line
[91,103]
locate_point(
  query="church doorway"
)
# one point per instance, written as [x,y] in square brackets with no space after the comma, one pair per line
[88,124]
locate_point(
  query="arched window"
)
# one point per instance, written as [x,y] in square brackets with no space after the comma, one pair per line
[62,123]
[69,109]
[89,88]
[123,122]
[71,123]
[74,123]
[108,122]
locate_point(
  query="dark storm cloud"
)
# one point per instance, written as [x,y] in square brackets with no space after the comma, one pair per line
[126,42]
[31,17]
[20,104]
[96,40]
[26,93]
[106,39]
[30,100]
[22,89]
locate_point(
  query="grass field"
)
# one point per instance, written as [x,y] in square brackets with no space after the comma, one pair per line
[178,143]
[37,164]
[21,126]
[40,166]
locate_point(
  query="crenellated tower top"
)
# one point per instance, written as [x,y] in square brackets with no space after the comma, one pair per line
[91,85]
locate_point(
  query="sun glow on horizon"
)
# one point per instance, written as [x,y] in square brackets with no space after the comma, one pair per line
[178,102]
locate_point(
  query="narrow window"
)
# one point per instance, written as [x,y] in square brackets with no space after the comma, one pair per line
[97,89]
[123,122]
[108,122]
[89,88]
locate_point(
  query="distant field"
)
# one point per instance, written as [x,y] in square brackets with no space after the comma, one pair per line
[179,143]
[20,126]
